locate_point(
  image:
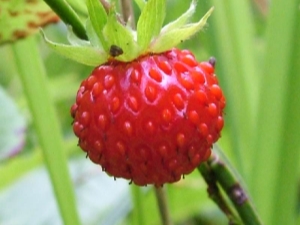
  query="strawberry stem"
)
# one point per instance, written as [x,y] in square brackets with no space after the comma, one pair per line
[127,12]
[218,171]
[33,78]
[162,202]
[138,205]
[68,15]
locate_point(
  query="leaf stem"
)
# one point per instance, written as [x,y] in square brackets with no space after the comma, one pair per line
[68,15]
[162,202]
[33,78]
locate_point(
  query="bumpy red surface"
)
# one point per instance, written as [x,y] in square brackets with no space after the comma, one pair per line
[151,120]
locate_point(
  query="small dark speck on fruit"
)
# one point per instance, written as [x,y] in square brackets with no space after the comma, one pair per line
[212,61]
[115,51]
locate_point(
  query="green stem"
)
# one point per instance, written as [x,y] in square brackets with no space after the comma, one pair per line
[33,78]
[232,186]
[68,15]
[216,195]
[162,202]
[138,210]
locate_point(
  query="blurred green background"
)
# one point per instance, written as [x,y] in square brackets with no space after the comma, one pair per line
[257,47]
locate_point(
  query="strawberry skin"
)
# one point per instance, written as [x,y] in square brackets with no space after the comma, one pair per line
[151,120]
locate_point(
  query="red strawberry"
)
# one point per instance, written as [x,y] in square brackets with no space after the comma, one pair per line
[148,112]
[151,120]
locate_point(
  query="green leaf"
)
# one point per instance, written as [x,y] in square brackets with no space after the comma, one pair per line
[183,19]
[98,18]
[116,34]
[169,38]
[277,139]
[141,3]
[12,127]
[19,19]
[83,54]
[150,22]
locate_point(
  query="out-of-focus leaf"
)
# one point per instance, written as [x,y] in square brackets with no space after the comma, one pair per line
[12,127]
[19,19]
[100,199]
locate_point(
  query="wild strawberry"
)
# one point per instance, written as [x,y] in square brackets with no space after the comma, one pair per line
[151,120]
[150,112]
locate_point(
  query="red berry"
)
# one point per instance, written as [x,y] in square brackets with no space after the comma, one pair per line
[151,120]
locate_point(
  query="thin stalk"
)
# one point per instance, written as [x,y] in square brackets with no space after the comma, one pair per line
[33,78]
[162,202]
[68,15]
[138,209]
[233,188]
[127,12]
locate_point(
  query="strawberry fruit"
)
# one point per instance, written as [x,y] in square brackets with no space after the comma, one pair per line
[151,120]
[148,112]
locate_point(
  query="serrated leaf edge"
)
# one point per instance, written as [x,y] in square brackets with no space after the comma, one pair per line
[86,55]
[170,38]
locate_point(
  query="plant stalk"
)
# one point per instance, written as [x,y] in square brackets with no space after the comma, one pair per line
[33,77]
[216,195]
[127,12]
[221,172]
[138,210]
[162,202]
[68,15]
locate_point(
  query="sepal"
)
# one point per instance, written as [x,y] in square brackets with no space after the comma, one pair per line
[86,55]
[150,22]
[182,20]
[98,17]
[92,35]
[74,40]
[118,35]
[169,38]
[141,4]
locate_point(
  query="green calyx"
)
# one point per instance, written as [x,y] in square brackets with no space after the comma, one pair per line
[109,39]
